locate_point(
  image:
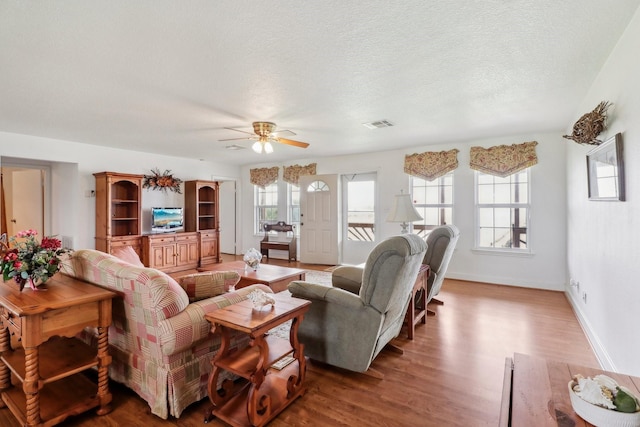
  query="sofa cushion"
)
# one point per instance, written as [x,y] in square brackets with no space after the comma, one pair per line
[208,284]
[127,254]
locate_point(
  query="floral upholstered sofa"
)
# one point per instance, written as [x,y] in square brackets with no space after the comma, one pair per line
[160,343]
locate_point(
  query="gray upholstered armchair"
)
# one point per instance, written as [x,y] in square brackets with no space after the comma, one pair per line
[348,326]
[441,243]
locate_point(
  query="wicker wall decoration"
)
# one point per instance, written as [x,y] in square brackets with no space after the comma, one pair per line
[162,181]
[590,125]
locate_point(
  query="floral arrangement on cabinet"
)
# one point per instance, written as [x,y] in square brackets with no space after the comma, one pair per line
[28,261]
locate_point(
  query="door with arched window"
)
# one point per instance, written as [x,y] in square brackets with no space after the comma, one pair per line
[319,219]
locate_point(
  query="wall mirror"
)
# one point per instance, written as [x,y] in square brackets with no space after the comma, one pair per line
[605,170]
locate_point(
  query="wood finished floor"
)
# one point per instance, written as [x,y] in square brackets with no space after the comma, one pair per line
[450,374]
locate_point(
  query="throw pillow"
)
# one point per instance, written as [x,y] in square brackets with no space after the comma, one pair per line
[127,254]
[199,286]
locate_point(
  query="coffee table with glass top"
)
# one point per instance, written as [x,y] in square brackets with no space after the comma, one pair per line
[274,276]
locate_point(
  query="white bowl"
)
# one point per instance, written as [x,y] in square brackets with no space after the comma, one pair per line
[599,416]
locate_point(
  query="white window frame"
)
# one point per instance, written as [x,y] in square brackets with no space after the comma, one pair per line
[257,220]
[293,188]
[512,205]
[439,183]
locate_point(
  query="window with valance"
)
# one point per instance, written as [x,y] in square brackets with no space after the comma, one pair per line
[292,174]
[504,160]
[431,164]
[263,177]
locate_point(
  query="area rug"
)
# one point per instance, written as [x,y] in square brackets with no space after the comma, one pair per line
[312,276]
[319,277]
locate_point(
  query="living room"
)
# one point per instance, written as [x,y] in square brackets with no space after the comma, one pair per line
[572,237]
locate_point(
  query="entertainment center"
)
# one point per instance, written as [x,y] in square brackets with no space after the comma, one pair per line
[180,238]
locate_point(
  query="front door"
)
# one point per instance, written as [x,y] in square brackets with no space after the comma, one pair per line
[319,219]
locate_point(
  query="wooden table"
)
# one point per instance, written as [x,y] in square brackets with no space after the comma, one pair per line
[274,276]
[265,391]
[535,392]
[418,315]
[45,322]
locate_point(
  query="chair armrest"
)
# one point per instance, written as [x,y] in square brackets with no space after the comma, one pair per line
[348,278]
[181,331]
[208,284]
[313,291]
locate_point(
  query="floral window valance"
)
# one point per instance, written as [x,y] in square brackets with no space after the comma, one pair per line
[431,164]
[264,176]
[504,160]
[292,174]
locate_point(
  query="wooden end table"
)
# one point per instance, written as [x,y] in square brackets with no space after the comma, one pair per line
[274,276]
[45,322]
[535,391]
[418,315]
[265,391]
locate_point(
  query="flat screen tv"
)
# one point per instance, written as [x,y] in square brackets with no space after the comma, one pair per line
[167,219]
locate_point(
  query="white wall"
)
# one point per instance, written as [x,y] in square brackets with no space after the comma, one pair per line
[603,237]
[545,268]
[73,165]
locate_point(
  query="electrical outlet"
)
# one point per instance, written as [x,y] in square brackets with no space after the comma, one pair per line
[575,284]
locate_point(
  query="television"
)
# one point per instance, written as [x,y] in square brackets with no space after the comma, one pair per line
[167,219]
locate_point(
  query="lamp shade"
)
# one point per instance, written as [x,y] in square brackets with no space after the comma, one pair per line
[403,211]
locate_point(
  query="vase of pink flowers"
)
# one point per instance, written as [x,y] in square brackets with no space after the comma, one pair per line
[31,262]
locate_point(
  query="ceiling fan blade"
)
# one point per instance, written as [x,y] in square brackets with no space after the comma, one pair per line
[278,133]
[243,131]
[292,142]
[246,138]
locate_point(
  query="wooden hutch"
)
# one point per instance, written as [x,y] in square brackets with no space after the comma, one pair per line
[118,211]
[202,215]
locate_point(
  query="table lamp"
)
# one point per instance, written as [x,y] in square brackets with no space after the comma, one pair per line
[403,211]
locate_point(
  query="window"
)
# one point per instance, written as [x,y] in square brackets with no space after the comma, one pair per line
[503,211]
[266,204]
[293,205]
[360,206]
[434,202]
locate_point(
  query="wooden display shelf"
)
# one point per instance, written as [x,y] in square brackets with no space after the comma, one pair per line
[275,385]
[64,357]
[244,362]
[58,400]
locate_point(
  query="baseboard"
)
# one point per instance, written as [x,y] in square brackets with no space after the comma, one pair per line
[596,345]
[508,281]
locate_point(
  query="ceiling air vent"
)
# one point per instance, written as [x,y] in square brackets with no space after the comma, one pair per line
[234,147]
[378,124]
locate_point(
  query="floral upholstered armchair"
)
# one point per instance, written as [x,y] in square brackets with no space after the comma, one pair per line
[160,343]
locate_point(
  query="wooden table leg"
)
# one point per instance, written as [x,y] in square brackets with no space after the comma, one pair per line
[104,360]
[30,386]
[5,374]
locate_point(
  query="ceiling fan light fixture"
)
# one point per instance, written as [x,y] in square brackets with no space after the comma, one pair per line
[268,147]
[257,147]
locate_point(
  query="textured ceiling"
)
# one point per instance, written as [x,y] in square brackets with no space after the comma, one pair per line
[170,76]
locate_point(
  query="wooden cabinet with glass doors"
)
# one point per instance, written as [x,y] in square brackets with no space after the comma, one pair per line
[201,215]
[118,211]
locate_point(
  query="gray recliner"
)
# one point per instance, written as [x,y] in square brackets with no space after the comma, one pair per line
[441,243]
[347,326]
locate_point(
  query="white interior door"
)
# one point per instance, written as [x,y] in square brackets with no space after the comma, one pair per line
[227,212]
[24,191]
[319,225]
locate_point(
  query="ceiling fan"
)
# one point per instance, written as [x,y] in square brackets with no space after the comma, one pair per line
[265,134]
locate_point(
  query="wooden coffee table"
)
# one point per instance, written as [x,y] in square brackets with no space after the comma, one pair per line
[274,276]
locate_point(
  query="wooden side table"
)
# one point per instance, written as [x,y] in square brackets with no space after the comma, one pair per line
[535,392]
[266,391]
[45,322]
[418,315]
